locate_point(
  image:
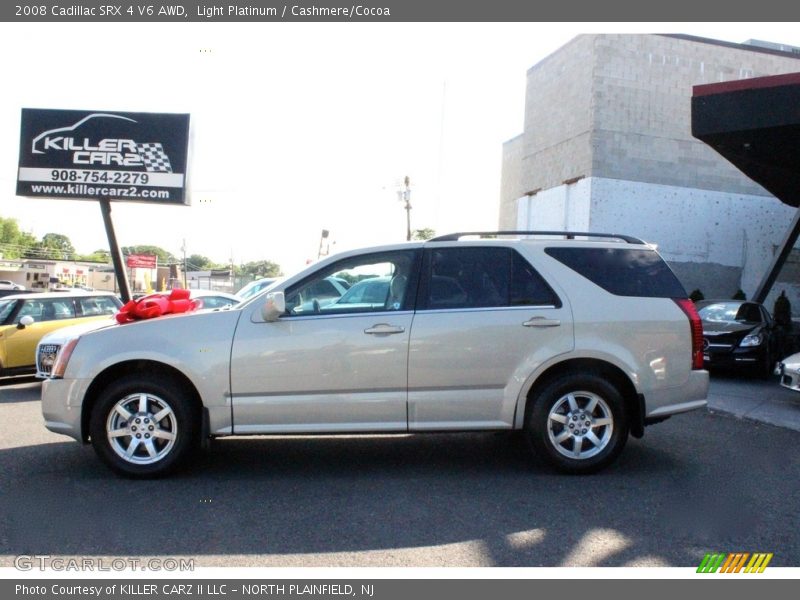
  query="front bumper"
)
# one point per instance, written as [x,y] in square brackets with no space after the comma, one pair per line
[790,375]
[61,406]
[734,358]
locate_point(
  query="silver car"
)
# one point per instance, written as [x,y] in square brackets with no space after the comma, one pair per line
[577,342]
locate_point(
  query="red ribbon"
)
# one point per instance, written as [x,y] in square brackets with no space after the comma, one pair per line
[156,305]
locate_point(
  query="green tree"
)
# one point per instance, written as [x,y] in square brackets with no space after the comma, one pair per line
[259,268]
[100,255]
[425,233]
[54,246]
[13,242]
[199,262]
[59,243]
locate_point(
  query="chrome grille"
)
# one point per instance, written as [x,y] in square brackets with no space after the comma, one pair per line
[46,357]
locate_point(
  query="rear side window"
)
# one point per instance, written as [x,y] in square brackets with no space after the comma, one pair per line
[622,271]
[473,277]
[99,305]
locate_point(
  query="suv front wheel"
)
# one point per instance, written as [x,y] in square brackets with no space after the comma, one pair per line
[577,423]
[143,428]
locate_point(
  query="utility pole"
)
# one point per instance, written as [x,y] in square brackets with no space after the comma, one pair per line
[322,249]
[232,278]
[404,195]
[183,248]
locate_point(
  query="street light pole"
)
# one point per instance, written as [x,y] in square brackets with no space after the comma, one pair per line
[405,196]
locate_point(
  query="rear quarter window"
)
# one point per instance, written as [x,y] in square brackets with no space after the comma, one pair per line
[622,271]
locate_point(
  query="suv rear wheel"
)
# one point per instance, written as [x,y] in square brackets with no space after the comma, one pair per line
[578,423]
[143,428]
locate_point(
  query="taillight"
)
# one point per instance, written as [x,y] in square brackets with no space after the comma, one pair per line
[687,306]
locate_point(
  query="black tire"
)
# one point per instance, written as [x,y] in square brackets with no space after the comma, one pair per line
[766,366]
[551,417]
[153,454]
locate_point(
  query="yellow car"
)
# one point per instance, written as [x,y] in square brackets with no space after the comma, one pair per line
[25,318]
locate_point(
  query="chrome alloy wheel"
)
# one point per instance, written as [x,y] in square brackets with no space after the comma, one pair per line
[142,428]
[580,425]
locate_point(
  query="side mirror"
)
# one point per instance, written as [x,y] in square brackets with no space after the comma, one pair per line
[25,321]
[274,306]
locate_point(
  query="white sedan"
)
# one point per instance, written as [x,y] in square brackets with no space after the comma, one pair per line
[789,370]
[5,284]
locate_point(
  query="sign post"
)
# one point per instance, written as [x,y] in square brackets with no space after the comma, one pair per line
[104,156]
[116,253]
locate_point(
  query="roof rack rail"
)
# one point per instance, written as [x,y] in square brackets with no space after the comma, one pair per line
[454,237]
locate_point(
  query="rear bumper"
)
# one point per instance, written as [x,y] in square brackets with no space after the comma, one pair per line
[693,394]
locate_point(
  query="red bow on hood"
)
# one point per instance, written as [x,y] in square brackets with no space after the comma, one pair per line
[156,305]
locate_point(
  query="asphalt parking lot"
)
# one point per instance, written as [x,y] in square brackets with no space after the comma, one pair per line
[700,482]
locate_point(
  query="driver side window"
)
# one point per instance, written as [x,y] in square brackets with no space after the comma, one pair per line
[371,283]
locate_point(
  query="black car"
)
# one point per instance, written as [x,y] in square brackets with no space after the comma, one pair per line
[738,334]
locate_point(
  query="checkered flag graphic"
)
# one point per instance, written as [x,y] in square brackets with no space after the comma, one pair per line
[154,158]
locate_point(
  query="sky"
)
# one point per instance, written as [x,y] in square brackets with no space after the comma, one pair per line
[297,127]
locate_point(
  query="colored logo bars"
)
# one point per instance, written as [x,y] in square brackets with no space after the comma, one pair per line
[734,562]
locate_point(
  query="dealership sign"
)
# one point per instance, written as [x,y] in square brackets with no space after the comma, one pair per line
[135,157]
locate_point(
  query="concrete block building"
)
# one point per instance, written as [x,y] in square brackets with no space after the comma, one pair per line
[607,146]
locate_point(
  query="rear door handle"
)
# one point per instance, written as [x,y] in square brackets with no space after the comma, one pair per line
[383,329]
[541,322]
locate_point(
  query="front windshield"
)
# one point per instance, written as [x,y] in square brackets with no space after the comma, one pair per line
[254,287]
[729,312]
[6,306]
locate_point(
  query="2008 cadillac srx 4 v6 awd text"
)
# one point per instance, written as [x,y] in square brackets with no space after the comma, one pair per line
[578,340]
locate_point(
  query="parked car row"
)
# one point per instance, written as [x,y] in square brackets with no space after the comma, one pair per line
[741,335]
[26,318]
[577,343]
[738,334]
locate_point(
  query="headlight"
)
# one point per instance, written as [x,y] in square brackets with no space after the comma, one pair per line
[751,340]
[62,359]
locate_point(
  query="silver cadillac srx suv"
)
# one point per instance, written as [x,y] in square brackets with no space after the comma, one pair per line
[576,339]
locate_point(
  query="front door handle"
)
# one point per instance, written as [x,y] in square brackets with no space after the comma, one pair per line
[383,329]
[541,322]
